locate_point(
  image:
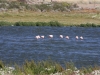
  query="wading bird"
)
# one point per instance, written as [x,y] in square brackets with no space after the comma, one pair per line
[76,37]
[42,36]
[37,37]
[51,36]
[61,36]
[81,37]
[67,37]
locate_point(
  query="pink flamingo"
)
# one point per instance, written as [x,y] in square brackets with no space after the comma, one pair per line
[61,36]
[42,37]
[51,36]
[37,37]
[76,37]
[81,37]
[67,37]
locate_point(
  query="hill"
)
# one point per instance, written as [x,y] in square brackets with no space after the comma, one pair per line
[72,1]
[49,5]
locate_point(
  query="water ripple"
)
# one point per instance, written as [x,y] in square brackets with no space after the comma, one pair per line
[19,43]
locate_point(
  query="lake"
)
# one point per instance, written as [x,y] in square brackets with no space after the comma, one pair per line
[18,43]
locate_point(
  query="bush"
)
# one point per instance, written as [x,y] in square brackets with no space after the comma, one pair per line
[62,6]
[3,23]
[55,23]
[3,5]
[3,1]
[14,4]
[1,64]
[52,23]
[46,67]
[88,25]
[43,7]
[25,24]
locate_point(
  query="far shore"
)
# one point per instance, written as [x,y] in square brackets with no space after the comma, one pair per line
[67,18]
[70,14]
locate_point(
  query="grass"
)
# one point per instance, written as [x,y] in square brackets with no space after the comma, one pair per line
[62,17]
[47,67]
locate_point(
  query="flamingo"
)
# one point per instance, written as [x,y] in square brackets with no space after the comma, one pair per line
[61,36]
[37,37]
[76,37]
[67,37]
[81,38]
[42,36]
[51,36]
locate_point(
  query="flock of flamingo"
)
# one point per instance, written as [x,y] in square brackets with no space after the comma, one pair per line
[60,36]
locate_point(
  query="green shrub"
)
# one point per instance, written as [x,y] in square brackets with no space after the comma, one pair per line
[62,6]
[43,67]
[1,64]
[46,68]
[39,23]
[43,7]
[86,70]
[54,23]
[3,1]
[51,23]
[18,24]
[25,24]
[3,23]
[70,65]
[88,25]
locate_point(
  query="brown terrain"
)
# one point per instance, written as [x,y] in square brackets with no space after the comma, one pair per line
[84,5]
[89,7]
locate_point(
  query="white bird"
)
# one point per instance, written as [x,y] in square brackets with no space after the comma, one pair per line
[42,37]
[61,36]
[76,37]
[37,37]
[67,37]
[51,36]
[81,38]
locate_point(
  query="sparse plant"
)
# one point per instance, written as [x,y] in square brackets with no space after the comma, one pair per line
[70,65]
[43,7]
[1,64]
[47,67]
[62,6]
[3,23]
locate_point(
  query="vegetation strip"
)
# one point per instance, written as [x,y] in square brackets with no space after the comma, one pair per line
[51,23]
[47,67]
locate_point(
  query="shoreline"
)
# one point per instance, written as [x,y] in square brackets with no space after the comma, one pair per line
[51,23]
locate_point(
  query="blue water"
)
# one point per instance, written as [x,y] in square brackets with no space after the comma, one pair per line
[18,44]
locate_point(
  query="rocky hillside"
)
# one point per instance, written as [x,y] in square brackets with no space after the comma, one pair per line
[22,5]
[48,1]
[72,1]
[40,6]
